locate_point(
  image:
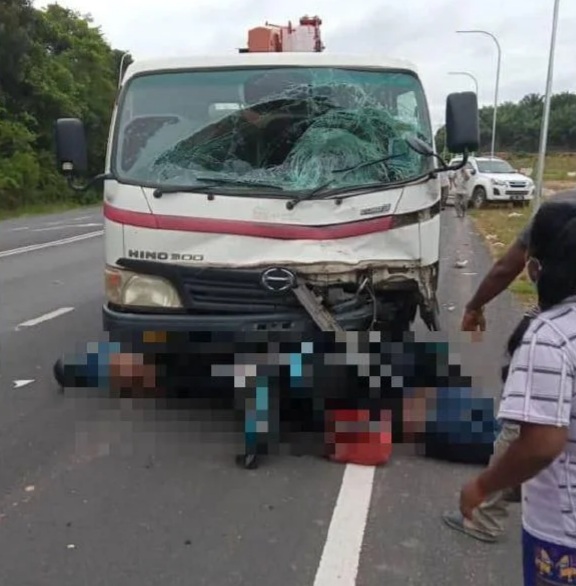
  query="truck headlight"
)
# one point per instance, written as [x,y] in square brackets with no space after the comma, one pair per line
[128,288]
[499,183]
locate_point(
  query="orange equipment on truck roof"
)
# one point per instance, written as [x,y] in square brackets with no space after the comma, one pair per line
[272,38]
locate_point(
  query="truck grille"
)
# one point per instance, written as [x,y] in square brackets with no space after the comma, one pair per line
[223,291]
[517,184]
[517,193]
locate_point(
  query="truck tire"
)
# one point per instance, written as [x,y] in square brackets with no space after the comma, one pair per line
[396,316]
[478,199]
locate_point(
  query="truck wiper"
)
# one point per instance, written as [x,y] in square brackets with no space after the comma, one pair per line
[225,181]
[310,194]
[160,191]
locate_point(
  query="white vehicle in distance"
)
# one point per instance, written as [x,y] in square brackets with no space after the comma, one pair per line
[494,180]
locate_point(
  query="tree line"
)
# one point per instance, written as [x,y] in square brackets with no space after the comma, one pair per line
[518,125]
[54,63]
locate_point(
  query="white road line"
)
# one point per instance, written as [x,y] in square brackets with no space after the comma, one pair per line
[46,317]
[91,225]
[33,247]
[21,229]
[57,223]
[83,218]
[18,384]
[341,554]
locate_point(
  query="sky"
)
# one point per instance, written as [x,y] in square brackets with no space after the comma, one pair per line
[421,31]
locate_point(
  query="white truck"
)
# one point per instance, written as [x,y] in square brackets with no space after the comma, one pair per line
[271,190]
[494,180]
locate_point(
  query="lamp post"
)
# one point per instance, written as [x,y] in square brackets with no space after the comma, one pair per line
[546,115]
[472,77]
[497,87]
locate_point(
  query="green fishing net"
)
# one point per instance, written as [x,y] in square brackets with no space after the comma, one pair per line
[298,139]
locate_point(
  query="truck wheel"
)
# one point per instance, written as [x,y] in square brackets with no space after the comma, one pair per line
[478,198]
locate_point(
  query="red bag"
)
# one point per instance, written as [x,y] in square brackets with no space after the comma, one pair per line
[355,439]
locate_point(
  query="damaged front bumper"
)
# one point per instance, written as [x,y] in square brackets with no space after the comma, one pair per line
[234,299]
[351,315]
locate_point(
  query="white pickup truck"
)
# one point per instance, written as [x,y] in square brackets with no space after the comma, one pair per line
[495,180]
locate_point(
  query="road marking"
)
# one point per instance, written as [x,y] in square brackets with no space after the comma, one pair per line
[18,384]
[46,317]
[21,229]
[83,218]
[92,225]
[61,242]
[57,223]
[341,554]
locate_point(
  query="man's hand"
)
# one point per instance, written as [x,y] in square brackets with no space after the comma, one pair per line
[473,320]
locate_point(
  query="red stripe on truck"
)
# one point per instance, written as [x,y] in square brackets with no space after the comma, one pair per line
[242,228]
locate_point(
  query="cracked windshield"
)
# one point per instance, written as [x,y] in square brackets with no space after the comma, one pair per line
[283,129]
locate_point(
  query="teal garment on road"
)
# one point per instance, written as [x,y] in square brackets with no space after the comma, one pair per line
[257,420]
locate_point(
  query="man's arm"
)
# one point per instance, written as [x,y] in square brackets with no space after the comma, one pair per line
[502,273]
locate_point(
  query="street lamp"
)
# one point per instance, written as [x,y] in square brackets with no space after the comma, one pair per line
[546,115]
[472,77]
[497,82]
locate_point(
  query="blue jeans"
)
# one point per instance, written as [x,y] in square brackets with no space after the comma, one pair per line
[93,366]
[463,416]
[547,564]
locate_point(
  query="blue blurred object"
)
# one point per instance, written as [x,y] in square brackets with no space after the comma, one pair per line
[90,369]
[462,426]
[463,416]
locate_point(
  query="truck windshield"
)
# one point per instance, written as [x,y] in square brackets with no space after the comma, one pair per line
[287,128]
[495,166]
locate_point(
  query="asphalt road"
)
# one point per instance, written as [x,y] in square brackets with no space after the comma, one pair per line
[95,492]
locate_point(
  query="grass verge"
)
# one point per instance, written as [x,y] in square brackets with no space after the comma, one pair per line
[41,209]
[558,167]
[500,227]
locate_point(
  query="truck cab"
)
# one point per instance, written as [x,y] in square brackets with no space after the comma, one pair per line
[257,192]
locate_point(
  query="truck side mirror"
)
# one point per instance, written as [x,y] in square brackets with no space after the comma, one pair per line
[71,149]
[462,123]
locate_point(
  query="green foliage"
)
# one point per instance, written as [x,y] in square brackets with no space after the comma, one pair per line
[53,63]
[518,125]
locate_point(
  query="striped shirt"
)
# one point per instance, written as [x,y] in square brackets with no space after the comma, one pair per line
[541,389]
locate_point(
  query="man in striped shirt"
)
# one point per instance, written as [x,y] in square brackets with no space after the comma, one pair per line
[489,518]
[540,396]
[540,390]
